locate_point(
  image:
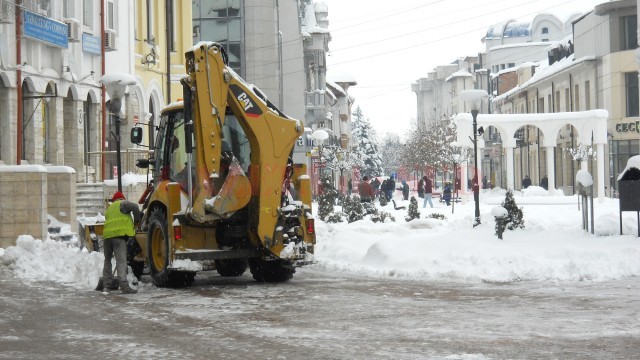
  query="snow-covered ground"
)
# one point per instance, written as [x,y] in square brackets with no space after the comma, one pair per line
[552,247]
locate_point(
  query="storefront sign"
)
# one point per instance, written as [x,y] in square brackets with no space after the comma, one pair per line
[46,30]
[628,127]
[91,44]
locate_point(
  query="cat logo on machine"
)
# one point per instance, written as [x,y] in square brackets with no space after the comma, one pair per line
[249,106]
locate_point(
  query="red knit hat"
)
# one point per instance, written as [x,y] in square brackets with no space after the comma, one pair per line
[118,196]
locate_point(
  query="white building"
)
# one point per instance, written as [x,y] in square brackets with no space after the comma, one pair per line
[50,64]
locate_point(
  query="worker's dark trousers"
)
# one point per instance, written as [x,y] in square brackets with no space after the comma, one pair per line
[115,247]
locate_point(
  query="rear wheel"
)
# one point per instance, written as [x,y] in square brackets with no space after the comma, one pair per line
[158,258]
[158,248]
[231,267]
[271,271]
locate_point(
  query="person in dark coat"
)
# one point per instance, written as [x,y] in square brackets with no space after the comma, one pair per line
[427,189]
[365,190]
[375,184]
[526,182]
[545,182]
[391,187]
[446,193]
[421,188]
[405,190]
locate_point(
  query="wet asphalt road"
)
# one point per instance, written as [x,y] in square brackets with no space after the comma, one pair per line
[320,315]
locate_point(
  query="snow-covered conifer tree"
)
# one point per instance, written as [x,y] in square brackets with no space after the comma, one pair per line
[367,148]
[412,212]
[326,199]
[352,208]
[516,219]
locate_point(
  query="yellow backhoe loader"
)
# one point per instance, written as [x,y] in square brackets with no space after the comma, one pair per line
[225,192]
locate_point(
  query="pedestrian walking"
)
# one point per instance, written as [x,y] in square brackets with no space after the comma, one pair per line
[428,190]
[118,227]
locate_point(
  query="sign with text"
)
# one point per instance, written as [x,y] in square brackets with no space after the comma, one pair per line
[91,44]
[46,30]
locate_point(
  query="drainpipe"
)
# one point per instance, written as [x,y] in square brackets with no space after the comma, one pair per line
[570,93]
[168,16]
[19,79]
[103,93]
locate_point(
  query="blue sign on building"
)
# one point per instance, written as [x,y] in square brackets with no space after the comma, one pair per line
[44,29]
[91,44]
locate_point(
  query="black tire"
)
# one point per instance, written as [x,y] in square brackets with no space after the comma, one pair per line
[271,271]
[158,248]
[158,255]
[231,267]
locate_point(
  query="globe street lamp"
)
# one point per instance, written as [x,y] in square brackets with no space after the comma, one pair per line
[116,84]
[320,136]
[475,98]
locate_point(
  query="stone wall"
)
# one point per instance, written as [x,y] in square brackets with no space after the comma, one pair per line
[28,193]
[23,203]
[61,191]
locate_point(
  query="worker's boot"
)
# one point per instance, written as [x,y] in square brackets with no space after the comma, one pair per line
[126,289]
[100,286]
[114,284]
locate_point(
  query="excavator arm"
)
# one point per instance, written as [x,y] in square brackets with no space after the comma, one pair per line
[271,135]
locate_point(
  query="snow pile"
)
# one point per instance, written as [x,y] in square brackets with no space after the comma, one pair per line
[552,247]
[52,261]
[475,254]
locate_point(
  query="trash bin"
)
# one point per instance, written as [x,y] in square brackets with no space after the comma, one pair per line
[629,189]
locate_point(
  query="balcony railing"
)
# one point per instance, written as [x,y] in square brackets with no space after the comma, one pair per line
[128,163]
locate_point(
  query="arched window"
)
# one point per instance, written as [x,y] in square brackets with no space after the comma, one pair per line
[545,30]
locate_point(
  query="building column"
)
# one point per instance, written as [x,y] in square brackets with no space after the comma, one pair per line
[74,136]
[9,133]
[510,173]
[56,145]
[464,177]
[600,164]
[551,172]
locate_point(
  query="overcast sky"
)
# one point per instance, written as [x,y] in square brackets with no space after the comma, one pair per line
[386,45]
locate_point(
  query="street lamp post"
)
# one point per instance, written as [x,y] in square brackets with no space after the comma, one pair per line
[458,156]
[116,84]
[319,136]
[475,97]
[476,186]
